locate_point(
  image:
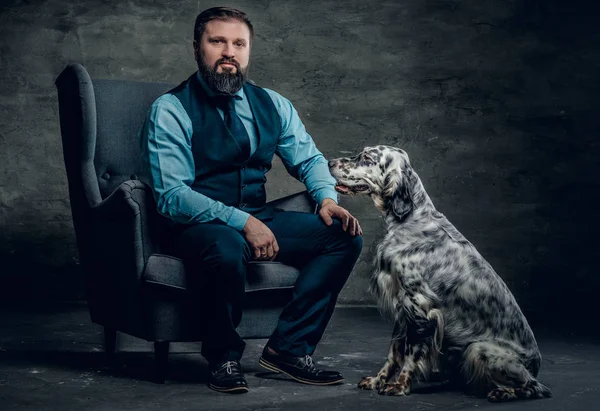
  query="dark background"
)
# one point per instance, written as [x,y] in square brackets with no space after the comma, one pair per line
[496,102]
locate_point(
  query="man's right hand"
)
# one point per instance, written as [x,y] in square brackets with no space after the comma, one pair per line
[261,239]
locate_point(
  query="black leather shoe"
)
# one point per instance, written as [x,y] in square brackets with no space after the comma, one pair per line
[301,369]
[228,377]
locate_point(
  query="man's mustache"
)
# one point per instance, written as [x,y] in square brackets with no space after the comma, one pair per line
[228,61]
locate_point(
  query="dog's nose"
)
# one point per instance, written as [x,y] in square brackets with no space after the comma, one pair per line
[331,163]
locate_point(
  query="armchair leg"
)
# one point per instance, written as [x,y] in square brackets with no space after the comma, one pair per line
[161,357]
[110,342]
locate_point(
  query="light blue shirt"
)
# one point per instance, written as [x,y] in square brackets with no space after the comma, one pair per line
[166,145]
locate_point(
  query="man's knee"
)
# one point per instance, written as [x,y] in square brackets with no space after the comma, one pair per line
[352,244]
[355,244]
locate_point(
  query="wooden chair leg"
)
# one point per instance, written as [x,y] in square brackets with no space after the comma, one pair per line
[161,357]
[110,342]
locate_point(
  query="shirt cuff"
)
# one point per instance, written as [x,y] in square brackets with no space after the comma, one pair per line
[324,193]
[238,219]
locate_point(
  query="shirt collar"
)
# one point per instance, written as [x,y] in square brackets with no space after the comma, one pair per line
[212,94]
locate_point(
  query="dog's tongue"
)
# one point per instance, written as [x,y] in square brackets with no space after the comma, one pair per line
[342,189]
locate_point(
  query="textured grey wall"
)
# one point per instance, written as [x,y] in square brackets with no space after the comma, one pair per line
[495,101]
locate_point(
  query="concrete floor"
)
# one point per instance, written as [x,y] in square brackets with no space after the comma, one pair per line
[52,359]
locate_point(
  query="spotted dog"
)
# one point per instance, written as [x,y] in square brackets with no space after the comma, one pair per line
[453,315]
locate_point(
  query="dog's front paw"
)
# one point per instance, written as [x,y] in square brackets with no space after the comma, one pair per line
[395,389]
[501,395]
[370,383]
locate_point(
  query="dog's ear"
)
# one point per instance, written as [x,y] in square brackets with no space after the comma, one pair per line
[401,203]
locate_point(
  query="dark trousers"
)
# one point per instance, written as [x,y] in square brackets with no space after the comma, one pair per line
[325,256]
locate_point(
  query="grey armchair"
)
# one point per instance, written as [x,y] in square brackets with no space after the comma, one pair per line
[132,286]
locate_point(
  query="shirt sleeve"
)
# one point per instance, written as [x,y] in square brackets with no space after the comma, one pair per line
[165,140]
[299,154]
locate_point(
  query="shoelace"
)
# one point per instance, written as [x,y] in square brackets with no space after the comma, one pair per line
[309,362]
[228,364]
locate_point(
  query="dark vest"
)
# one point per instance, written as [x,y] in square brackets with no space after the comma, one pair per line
[221,173]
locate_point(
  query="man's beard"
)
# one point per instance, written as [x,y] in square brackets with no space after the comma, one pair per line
[225,82]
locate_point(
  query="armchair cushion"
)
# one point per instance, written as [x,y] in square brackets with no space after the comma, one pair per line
[169,272]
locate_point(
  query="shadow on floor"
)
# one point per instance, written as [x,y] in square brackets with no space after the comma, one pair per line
[53,360]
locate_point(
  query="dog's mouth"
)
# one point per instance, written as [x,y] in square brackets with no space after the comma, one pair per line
[358,188]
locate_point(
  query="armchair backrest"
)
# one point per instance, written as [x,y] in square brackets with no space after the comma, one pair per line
[121,107]
[99,123]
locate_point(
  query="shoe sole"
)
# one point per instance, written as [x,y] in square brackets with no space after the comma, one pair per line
[235,390]
[272,367]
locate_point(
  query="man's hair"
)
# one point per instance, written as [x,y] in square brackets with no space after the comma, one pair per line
[220,13]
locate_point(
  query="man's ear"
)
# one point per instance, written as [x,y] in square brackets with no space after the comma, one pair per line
[401,203]
[196,46]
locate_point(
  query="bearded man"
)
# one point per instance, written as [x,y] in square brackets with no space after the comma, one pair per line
[207,145]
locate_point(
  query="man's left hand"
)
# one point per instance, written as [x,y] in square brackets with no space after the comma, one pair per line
[329,210]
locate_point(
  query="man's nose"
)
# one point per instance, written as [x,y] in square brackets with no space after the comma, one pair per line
[228,50]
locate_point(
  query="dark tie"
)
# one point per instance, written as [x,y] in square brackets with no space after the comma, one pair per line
[234,124]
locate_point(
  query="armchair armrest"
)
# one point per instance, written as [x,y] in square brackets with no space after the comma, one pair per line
[125,228]
[301,201]
[121,235]
[120,203]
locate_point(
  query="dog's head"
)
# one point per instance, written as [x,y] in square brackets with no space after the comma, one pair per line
[383,172]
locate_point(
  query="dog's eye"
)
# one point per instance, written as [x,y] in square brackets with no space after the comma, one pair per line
[367,159]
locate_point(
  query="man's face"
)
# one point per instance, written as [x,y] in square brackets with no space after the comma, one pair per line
[223,54]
